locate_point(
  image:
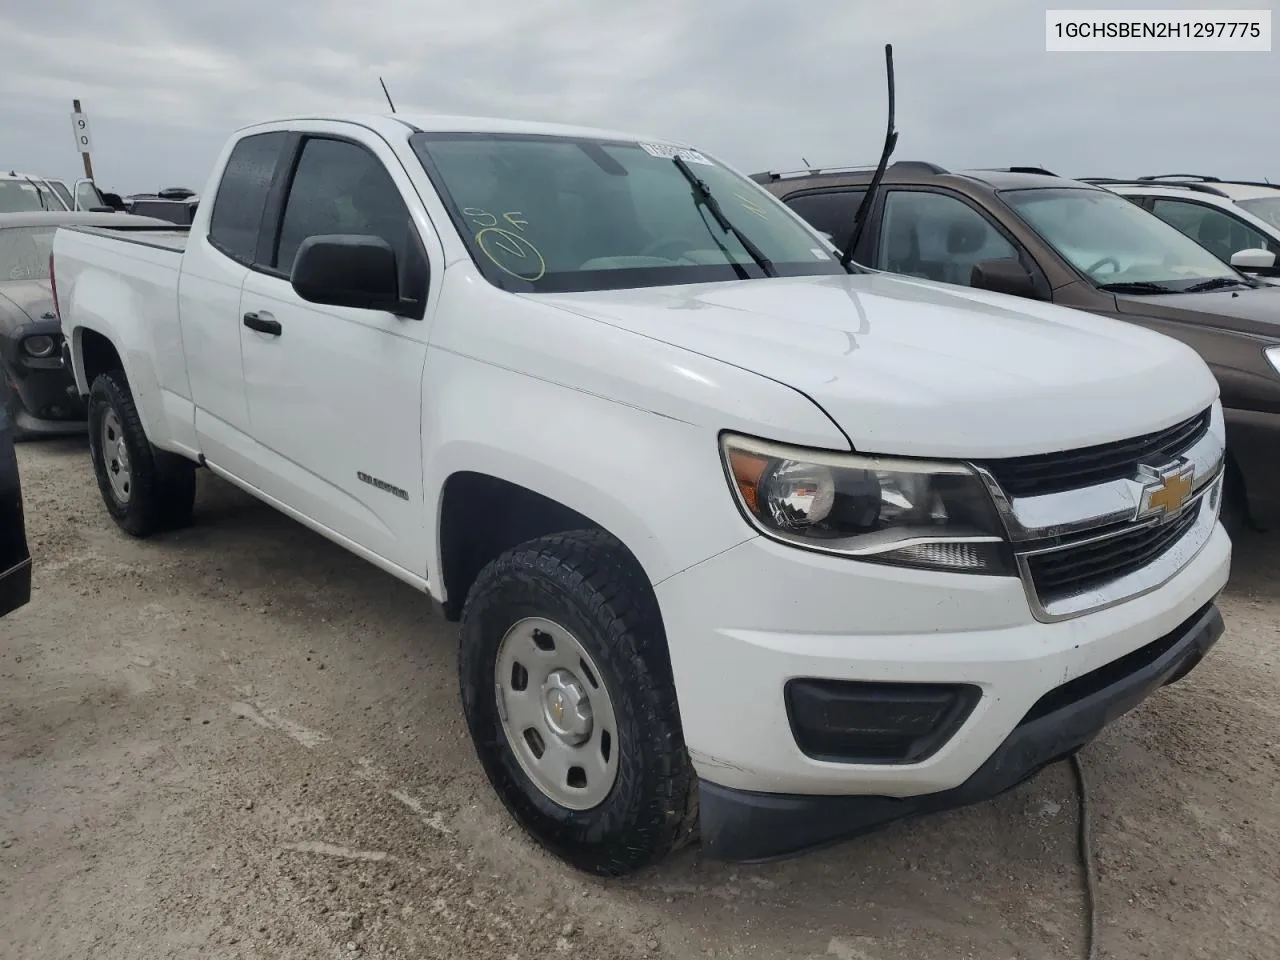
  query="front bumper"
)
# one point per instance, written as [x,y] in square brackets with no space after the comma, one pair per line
[44,387]
[741,825]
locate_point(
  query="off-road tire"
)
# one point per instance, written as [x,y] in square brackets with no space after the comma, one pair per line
[163,489]
[589,583]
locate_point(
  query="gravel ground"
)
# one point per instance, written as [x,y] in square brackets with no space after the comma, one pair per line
[240,741]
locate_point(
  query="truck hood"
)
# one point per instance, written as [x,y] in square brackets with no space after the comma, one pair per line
[923,369]
[23,302]
[1255,312]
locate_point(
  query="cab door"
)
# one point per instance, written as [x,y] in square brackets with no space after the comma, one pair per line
[335,393]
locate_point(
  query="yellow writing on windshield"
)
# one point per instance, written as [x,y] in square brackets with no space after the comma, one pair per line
[752,206]
[481,218]
[512,253]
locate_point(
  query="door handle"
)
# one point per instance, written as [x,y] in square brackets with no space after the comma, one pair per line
[263,324]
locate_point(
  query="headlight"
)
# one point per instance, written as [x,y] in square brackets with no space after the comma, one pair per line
[1273,357]
[911,513]
[40,346]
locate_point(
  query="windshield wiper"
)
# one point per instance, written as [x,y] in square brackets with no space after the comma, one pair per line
[39,196]
[1217,283]
[702,195]
[1135,286]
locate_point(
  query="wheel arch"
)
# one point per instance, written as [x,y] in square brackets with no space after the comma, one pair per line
[482,515]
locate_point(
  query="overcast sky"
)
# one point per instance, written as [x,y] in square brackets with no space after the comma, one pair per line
[761,84]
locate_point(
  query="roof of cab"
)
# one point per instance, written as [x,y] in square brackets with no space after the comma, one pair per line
[396,125]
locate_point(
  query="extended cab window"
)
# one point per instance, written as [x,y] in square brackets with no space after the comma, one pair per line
[242,194]
[340,187]
[936,237]
[1218,232]
[550,213]
[830,211]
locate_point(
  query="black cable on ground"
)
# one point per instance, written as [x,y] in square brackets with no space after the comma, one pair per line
[1086,858]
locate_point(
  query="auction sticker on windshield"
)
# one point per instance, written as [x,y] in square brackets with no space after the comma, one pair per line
[665,152]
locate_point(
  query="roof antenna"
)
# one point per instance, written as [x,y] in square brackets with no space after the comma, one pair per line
[805,161]
[387,95]
[869,198]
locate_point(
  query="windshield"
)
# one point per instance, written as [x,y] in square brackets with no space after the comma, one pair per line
[19,196]
[552,214]
[24,252]
[1113,241]
[1264,208]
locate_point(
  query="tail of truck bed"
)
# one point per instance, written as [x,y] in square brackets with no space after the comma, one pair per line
[115,288]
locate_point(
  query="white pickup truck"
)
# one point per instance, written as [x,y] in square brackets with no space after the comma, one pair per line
[740,539]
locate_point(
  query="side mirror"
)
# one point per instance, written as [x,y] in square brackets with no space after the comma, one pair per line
[347,270]
[1005,275]
[1255,258]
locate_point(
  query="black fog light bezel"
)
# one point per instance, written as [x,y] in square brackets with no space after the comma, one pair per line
[903,723]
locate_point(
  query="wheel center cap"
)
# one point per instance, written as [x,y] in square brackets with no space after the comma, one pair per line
[566,707]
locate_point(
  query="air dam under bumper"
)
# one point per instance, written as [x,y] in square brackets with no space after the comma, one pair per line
[745,826]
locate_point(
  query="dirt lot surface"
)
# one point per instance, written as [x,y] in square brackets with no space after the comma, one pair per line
[241,741]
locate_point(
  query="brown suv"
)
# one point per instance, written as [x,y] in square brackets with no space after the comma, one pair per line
[1027,232]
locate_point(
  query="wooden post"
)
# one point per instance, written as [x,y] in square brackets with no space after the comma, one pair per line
[88,163]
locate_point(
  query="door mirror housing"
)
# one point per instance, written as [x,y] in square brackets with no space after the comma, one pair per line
[1005,275]
[348,270]
[1255,258]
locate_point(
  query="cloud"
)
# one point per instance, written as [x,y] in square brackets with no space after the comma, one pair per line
[760,84]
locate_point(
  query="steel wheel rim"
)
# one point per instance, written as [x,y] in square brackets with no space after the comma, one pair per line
[115,457]
[556,713]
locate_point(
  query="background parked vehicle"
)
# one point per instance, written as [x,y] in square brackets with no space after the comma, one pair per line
[176,205]
[600,396]
[20,193]
[1236,221]
[36,385]
[1026,232]
[15,556]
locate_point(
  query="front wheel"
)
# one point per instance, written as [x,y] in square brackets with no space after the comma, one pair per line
[568,694]
[145,490]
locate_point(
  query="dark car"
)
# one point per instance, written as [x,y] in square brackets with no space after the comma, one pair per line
[36,387]
[1027,232]
[176,205]
[15,558]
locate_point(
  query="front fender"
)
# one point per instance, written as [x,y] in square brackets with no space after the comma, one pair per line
[654,482]
[620,427]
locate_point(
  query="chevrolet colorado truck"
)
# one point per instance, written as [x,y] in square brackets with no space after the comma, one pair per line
[745,543]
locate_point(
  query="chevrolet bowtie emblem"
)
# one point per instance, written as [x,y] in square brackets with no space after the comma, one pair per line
[1165,489]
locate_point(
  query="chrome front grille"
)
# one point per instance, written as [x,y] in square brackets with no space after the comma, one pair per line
[1129,517]
[1072,569]
[1055,472]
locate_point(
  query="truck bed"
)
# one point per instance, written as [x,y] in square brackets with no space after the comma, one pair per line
[172,239]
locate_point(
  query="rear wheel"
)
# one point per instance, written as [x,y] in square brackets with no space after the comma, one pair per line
[145,490]
[568,694]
